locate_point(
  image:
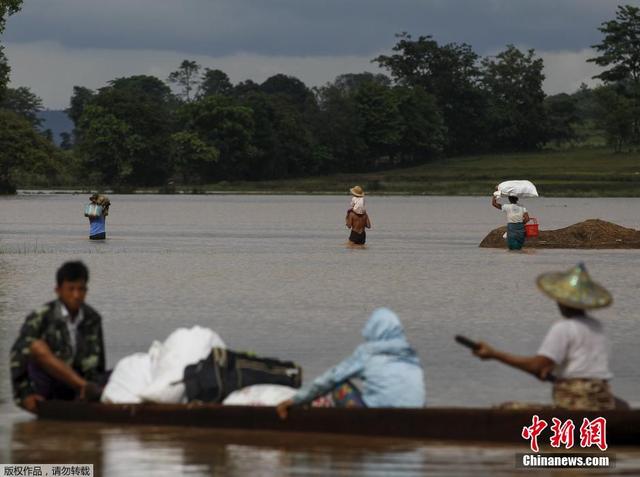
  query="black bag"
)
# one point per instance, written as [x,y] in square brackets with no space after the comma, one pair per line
[224,371]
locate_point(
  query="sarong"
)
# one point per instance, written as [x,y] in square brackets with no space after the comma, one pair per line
[358,238]
[47,386]
[515,236]
[100,236]
[583,394]
[343,395]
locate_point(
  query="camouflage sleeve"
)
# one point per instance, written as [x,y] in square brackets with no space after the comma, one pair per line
[31,330]
[92,363]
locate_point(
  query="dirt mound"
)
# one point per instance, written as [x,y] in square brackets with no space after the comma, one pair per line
[593,233]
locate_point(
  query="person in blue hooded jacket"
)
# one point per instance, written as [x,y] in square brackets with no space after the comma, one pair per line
[386,364]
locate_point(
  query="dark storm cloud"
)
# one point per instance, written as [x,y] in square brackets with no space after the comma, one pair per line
[308,27]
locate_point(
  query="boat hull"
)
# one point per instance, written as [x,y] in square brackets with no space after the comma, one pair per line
[447,424]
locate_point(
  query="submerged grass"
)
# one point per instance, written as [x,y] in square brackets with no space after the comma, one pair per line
[23,249]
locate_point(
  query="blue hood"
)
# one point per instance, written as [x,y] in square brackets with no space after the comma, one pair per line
[383,325]
[385,335]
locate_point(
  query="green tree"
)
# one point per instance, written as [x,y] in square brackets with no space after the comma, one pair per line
[380,121]
[351,82]
[143,107]
[215,82]
[450,73]
[191,156]
[245,88]
[66,142]
[23,152]
[423,134]
[110,147]
[291,88]
[616,115]
[220,123]
[513,83]
[186,78]
[562,117]
[339,128]
[620,54]
[4,73]
[79,99]
[620,48]
[7,8]
[284,143]
[23,102]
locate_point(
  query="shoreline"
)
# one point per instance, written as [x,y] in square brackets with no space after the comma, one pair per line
[581,172]
[293,192]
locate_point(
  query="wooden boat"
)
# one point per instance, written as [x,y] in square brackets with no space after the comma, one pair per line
[444,424]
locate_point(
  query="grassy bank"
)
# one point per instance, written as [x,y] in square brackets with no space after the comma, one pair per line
[596,172]
[580,172]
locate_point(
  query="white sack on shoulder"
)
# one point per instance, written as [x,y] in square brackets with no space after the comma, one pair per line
[517,189]
[260,395]
[130,376]
[182,348]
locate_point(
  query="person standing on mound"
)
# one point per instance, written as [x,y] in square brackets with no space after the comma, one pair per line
[517,217]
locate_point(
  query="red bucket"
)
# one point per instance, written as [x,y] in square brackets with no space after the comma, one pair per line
[531,228]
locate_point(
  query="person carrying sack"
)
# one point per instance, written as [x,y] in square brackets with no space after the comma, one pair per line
[97,211]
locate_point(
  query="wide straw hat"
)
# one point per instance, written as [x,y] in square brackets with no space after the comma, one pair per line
[357,191]
[574,289]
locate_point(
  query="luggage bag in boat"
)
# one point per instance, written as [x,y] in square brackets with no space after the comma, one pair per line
[224,371]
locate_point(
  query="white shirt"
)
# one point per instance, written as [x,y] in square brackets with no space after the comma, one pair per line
[357,205]
[579,348]
[515,213]
[72,326]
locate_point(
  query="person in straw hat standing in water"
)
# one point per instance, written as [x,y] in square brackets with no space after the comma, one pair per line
[357,219]
[574,354]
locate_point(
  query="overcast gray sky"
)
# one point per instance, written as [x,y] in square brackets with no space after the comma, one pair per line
[54,45]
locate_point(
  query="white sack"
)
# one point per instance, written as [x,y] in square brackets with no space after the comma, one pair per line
[517,189]
[131,375]
[182,348]
[260,395]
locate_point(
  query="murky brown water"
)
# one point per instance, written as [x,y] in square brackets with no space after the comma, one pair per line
[272,275]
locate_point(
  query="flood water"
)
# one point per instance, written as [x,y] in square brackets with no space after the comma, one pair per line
[272,274]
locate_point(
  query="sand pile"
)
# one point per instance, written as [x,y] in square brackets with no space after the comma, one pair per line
[593,233]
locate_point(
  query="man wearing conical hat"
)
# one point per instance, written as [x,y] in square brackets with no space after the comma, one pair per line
[574,354]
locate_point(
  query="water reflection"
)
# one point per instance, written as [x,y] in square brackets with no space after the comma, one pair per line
[171,451]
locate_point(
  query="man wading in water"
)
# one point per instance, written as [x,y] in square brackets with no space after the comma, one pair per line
[357,223]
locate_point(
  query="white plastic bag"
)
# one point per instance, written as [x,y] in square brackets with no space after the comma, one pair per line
[182,347]
[260,395]
[131,376]
[517,189]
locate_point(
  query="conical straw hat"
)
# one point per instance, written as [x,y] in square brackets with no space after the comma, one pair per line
[575,289]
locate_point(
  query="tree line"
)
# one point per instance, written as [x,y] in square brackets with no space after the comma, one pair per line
[433,100]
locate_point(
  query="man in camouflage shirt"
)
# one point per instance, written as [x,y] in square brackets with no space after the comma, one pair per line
[59,353]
